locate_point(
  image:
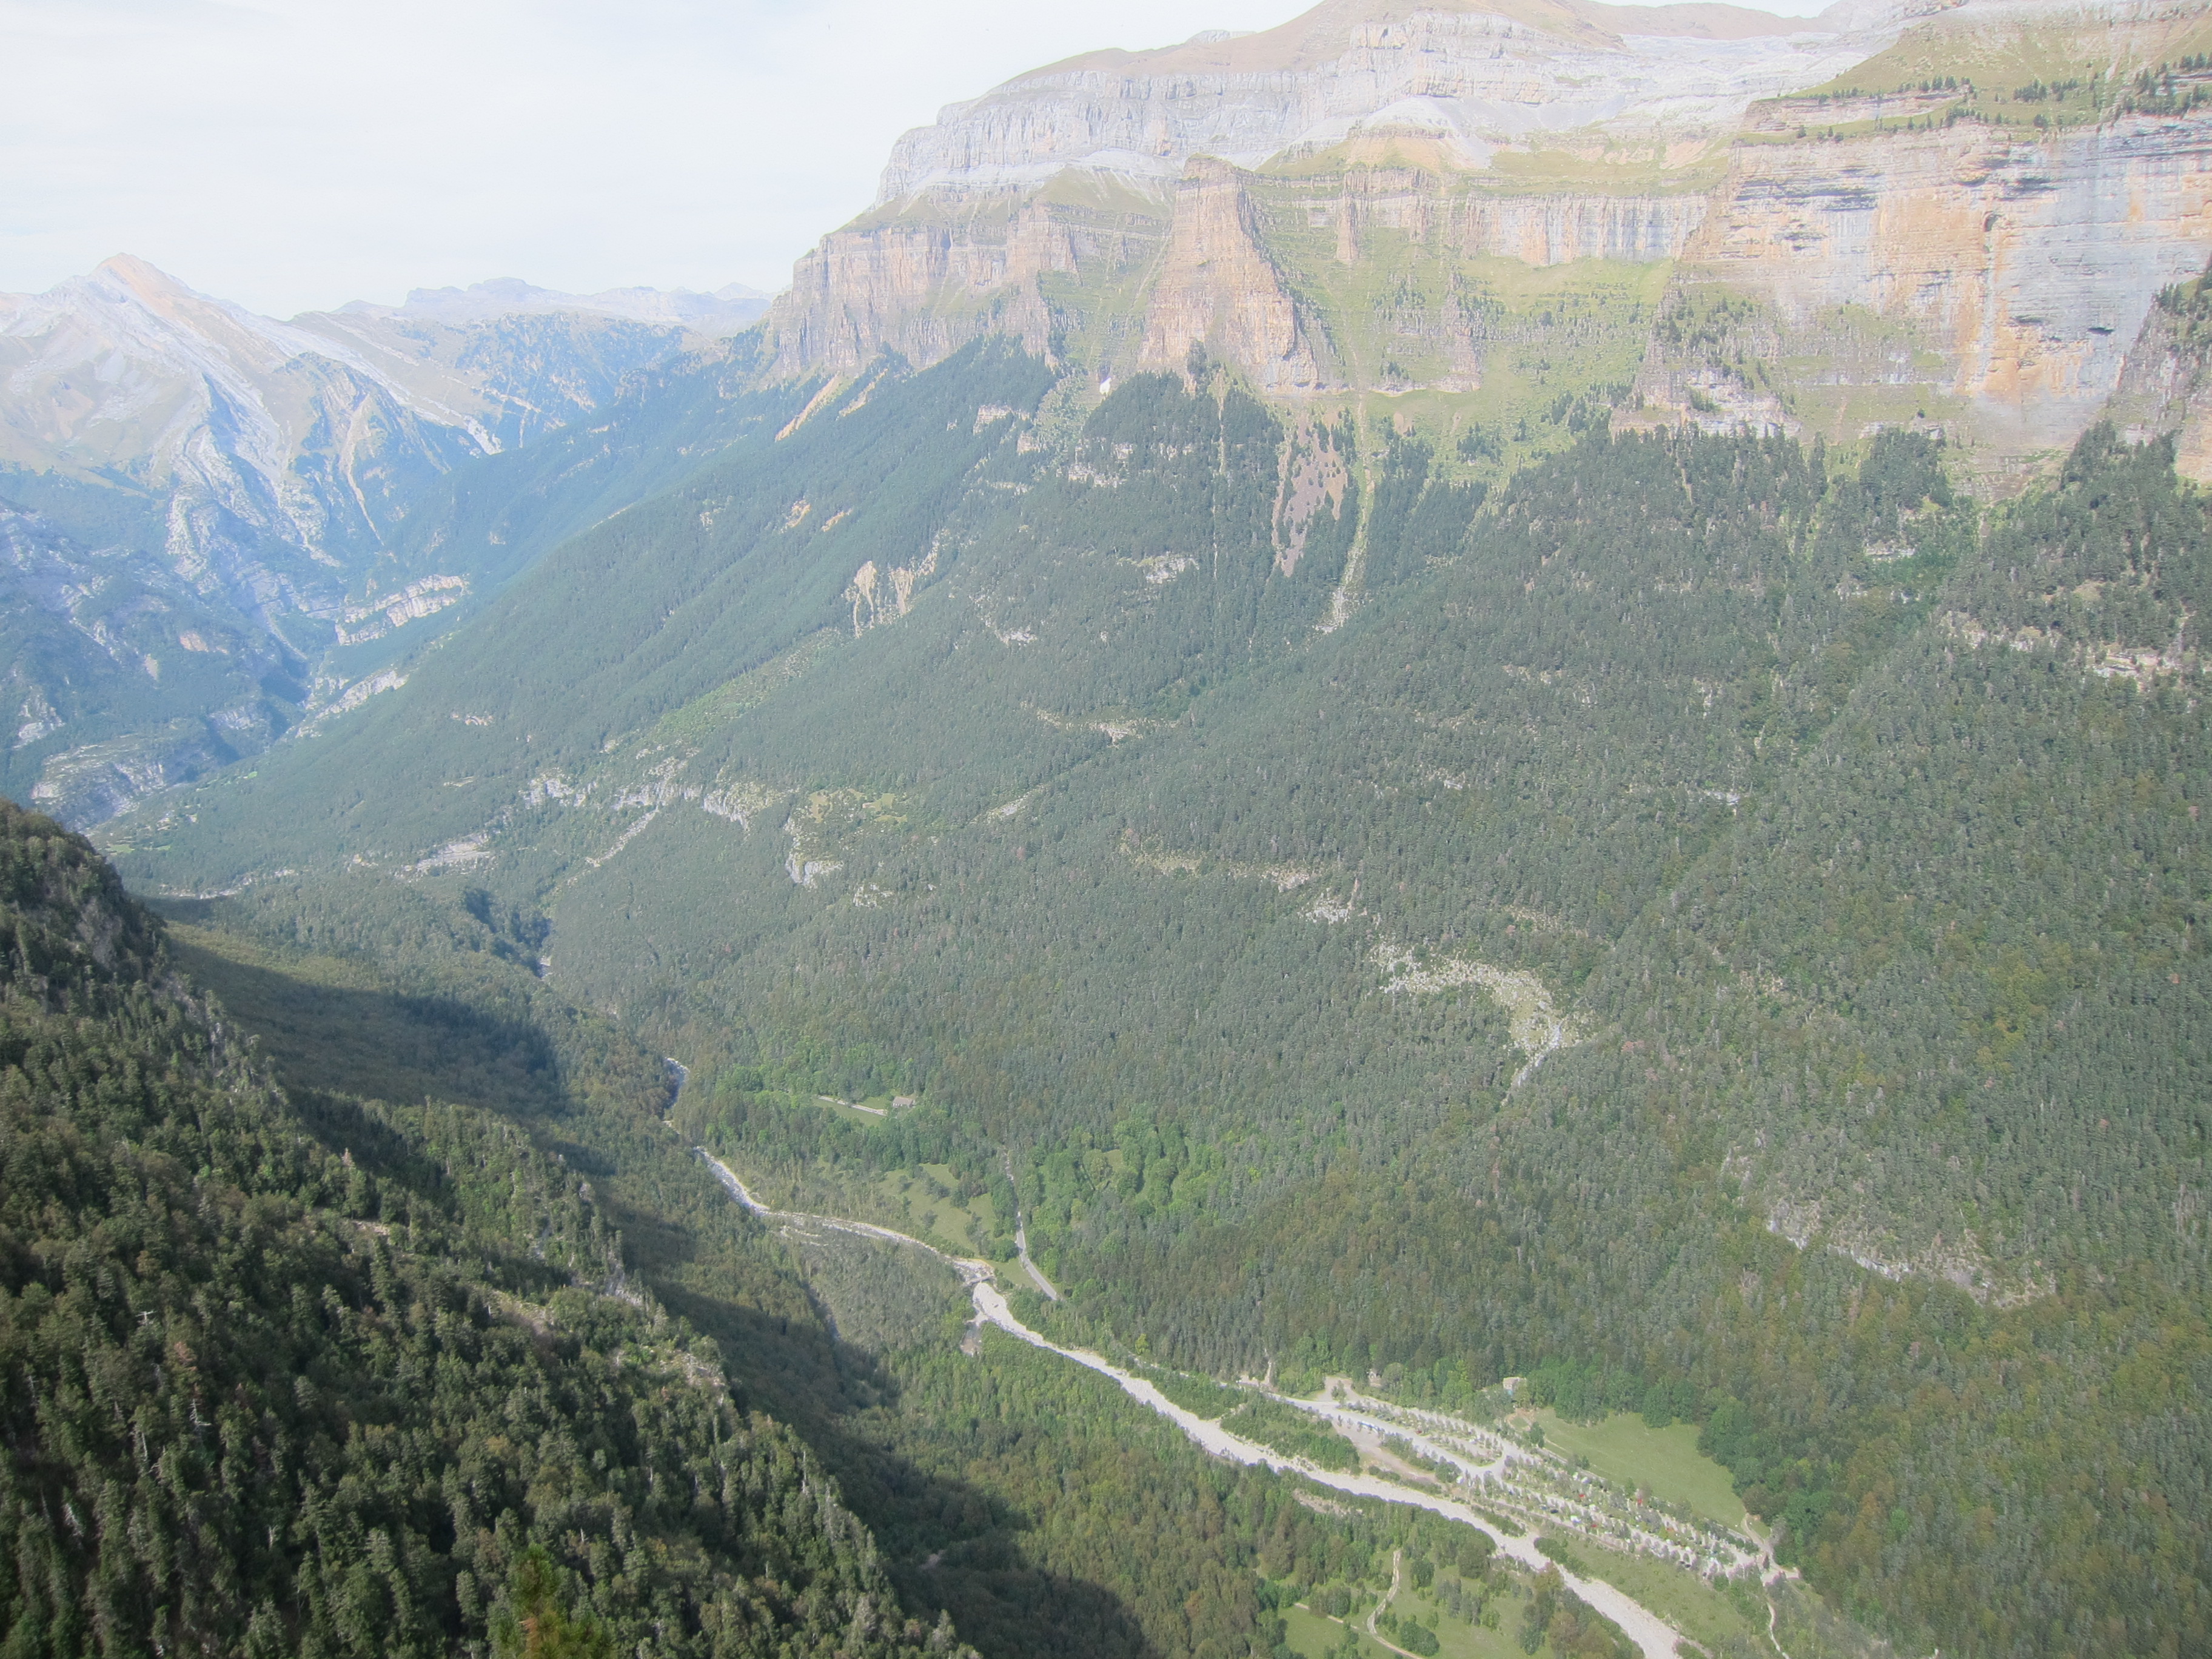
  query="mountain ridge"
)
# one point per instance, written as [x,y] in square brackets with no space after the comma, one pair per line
[725,310]
[1947,242]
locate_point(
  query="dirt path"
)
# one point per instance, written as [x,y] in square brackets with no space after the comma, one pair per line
[1036,1272]
[1650,1633]
[1397,1583]
[1021,1241]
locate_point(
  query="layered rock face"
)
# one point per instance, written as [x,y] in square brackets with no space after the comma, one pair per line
[1338,206]
[974,210]
[1477,74]
[2013,276]
[1080,169]
[925,286]
[1217,288]
[1124,279]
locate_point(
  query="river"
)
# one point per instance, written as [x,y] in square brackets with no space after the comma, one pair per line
[1652,1634]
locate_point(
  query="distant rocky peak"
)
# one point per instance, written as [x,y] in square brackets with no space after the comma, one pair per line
[123,289]
[144,282]
[725,310]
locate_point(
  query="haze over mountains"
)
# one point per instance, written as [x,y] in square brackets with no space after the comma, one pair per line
[278,473]
[1455,693]
[724,312]
[1260,194]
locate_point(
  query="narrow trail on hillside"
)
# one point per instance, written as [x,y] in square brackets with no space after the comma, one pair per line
[1397,1583]
[1650,1633]
[1021,1241]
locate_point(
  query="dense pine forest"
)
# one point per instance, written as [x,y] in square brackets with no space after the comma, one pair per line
[345,1377]
[1707,924]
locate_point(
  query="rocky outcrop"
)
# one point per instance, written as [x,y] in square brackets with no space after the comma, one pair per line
[93,784]
[879,596]
[1216,288]
[2166,384]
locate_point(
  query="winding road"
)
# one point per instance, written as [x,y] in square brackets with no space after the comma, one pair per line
[1650,1633]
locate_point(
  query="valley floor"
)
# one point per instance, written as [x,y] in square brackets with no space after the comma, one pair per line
[1652,1634]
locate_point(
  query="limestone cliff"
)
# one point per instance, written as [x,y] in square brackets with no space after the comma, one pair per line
[923,285]
[1888,213]
[1037,208]
[1962,273]
[1217,288]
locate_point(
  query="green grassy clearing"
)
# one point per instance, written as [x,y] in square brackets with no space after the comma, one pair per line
[1485,1627]
[1311,1636]
[925,1203]
[1998,62]
[1530,170]
[1665,1461]
[1547,332]
[1467,1638]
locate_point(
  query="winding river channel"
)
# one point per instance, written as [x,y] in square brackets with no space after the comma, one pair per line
[1651,1634]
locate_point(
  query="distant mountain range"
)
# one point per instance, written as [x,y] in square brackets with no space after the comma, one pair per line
[724,312]
[276,475]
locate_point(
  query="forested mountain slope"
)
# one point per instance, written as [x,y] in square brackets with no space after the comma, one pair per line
[1706,914]
[348,1377]
[1028,1500]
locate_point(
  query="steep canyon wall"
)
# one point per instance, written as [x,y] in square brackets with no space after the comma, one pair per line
[1339,207]
[2003,281]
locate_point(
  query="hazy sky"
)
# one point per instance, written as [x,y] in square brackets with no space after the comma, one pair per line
[292,155]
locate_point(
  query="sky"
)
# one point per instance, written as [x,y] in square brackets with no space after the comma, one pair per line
[293,155]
